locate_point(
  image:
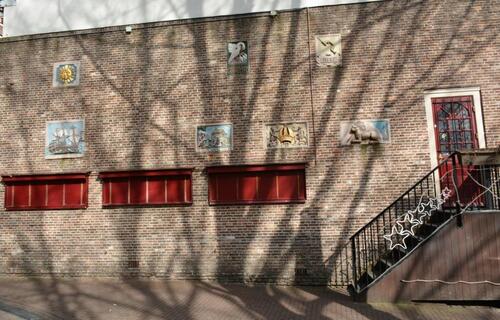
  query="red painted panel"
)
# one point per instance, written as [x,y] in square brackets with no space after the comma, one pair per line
[247,187]
[257,168]
[281,185]
[8,196]
[54,194]
[175,190]
[72,193]
[119,191]
[46,177]
[21,195]
[146,173]
[212,188]
[156,190]
[106,193]
[227,187]
[38,195]
[288,185]
[268,187]
[188,190]
[302,185]
[138,190]
[47,192]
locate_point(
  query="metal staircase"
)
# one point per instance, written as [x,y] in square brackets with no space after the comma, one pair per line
[449,190]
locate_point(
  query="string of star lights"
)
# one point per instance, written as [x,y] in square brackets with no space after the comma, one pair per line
[406,224]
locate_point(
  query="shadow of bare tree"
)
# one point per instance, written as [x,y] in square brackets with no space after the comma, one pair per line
[142,96]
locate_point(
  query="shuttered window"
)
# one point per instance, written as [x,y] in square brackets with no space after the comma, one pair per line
[257,184]
[46,192]
[152,187]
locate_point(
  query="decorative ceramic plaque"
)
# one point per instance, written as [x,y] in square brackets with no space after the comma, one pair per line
[365,132]
[237,57]
[286,135]
[65,139]
[66,74]
[328,50]
[214,137]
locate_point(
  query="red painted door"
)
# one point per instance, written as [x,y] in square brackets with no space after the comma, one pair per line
[455,129]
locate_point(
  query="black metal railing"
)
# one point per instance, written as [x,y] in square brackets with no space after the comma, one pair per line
[456,186]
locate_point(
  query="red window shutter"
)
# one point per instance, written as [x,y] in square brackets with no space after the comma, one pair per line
[247,187]
[38,194]
[149,187]
[257,184]
[106,193]
[156,190]
[119,191]
[268,187]
[9,196]
[212,188]
[21,195]
[138,190]
[73,193]
[45,192]
[175,190]
[288,185]
[227,187]
[55,194]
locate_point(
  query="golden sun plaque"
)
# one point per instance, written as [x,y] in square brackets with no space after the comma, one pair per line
[66,74]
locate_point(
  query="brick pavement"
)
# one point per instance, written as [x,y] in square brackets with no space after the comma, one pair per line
[110,299]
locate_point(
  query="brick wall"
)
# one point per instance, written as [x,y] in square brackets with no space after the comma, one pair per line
[142,95]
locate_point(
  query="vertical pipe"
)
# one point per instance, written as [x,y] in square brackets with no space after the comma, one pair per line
[311,87]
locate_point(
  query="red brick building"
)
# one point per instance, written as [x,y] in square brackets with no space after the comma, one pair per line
[147,95]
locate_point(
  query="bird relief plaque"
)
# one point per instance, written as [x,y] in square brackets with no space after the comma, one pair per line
[328,50]
[237,57]
[286,135]
[66,74]
[65,139]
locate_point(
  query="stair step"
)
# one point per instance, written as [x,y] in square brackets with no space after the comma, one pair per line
[417,237]
[439,217]
[430,224]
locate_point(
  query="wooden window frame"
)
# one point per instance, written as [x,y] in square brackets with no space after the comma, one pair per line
[158,175]
[46,180]
[258,172]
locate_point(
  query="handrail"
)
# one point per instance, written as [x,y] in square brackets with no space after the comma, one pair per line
[456,188]
[455,153]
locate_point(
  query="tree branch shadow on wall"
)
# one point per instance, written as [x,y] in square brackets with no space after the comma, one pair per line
[283,246]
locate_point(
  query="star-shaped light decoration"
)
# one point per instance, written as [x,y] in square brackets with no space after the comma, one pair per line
[408,223]
[446,193]
[397,238]
[423,209]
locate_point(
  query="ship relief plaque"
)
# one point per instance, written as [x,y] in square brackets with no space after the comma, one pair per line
[66,74]
[237,57]
[214,137]
[65,139]
[328,50]
[286,135]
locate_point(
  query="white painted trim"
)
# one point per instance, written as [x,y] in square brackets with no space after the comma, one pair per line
[475,92]
[42,16]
